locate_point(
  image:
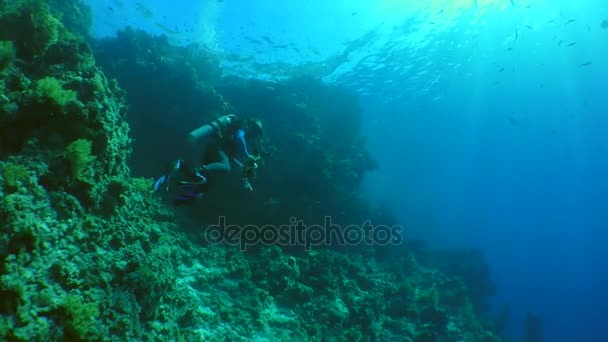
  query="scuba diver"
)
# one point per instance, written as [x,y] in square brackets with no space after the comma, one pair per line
[223,141]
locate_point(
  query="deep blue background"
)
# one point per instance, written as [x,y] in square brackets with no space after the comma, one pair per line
[489,131]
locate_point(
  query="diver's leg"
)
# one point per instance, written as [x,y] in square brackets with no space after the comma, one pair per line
[188,196]
[190,185]
[170,170]
[179,169]
[220,166]
[200,175]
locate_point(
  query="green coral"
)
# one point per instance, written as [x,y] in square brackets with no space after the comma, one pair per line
[52,89]
[6,326]
[13,174]
[31,25]
[79,156]
[428,296]
[141,184]
[81,317]
[7,54]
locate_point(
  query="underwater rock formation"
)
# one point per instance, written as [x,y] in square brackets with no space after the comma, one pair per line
[314,156]
[53,95]
[88,253]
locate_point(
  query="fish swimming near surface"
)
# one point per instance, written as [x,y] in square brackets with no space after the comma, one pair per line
[571,44]
[604,24]
[513,121]
[143,10]
[166,29]
[585,64]
[570,21]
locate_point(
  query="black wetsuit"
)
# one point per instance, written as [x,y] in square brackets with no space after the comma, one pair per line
[218,158]
[219,155]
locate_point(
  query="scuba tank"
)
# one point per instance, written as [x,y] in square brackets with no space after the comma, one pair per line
[213,129]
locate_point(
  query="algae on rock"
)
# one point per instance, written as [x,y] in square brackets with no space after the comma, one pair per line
[31,25]
[52,89]
[13,174]
[79,156]
[57,83]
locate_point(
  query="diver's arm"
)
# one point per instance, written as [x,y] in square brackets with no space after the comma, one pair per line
[240,138]
[248,165]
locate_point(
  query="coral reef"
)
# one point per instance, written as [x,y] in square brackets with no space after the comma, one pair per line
[31,25]
[87,252]
[470,266]
[56,95]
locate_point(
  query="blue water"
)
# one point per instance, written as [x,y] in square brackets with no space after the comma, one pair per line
[489,123]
